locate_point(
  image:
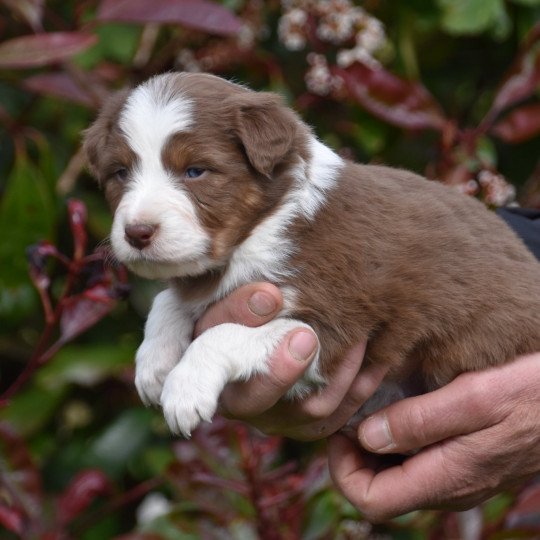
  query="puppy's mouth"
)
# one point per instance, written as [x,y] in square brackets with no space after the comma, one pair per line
[151,268]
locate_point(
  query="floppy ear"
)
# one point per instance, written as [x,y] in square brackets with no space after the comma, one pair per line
[265,127]
[96,136]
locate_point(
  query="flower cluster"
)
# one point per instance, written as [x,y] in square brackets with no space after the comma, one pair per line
[336,22]
[491,187]
[496,191]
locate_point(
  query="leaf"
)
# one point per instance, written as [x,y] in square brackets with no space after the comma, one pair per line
[31,408]
[19,470]
[196,14]
[471,16]
[403,103]
[12,519]
[80,312]
[30,10]
[83,489]
[526,511]
[27,211]
[522,79]
[59,85]
[85,365]
[126,437]
[43,49]
[118,43]
[520,125]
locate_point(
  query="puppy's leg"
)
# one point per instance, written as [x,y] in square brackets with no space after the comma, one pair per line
[167,334]
[225,353]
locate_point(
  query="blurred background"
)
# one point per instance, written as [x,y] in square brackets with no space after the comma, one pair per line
[448,88]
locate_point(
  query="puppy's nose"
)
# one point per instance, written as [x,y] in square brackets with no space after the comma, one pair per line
[139,235]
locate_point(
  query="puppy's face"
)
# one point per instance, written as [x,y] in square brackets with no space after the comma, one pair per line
[190,164]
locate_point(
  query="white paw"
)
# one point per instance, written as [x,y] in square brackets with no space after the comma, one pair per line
[189,397]
[153,363]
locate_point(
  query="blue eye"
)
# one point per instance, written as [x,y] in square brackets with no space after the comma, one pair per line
[121,174]
[194,172]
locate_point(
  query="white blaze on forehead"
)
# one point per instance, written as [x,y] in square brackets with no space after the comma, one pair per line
[153,112]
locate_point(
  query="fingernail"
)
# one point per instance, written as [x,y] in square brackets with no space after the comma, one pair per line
[376,434]
[302,345]
[262,304]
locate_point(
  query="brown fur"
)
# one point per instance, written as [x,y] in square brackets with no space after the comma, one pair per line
[437,283]
[433,279]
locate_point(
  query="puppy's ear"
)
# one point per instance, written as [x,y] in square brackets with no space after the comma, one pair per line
[96,136]
[265,127]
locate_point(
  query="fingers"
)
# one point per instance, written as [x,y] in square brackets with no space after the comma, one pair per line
[461,407]
[320,405]
[250,305]
[287,364]
[330,409]
[417,483]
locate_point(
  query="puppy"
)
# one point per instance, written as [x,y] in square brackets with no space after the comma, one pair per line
[213,185]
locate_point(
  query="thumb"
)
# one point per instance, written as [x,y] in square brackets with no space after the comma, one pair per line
[461,407]
[251,305]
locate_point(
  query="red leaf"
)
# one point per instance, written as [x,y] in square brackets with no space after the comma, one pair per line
[519,125]
[523,78]
[30,10]
[82,490]
[403,103]
[82,311]
[59,85]
[43,49]
[526,512]
[21,470]
[12,519]
[197,14]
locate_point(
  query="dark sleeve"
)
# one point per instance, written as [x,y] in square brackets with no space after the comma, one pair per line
[526,224]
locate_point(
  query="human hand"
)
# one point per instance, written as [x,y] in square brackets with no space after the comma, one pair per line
[257,401]
[478,435]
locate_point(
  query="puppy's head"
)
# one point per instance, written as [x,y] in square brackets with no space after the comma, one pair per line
[190,163]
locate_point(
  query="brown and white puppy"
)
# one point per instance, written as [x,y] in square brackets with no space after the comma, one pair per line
[213,186]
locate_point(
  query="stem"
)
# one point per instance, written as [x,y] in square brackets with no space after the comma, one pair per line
[43,351]
[38,357]
[265,527]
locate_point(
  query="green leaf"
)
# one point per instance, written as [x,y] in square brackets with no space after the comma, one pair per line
[85,365]
[122,440]
[529,3]
[157,459]
[323,516]
[30,410]
[27,215]
[496,507]
[117,42]
[471,16]
[486,152]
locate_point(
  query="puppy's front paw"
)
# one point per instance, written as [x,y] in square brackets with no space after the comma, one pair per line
[153,363]
[188,398]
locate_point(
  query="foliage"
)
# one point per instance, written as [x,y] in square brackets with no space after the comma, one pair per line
[448,88]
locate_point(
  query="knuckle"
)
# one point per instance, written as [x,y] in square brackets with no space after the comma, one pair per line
[316,410]
[480,390]
[415,425]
